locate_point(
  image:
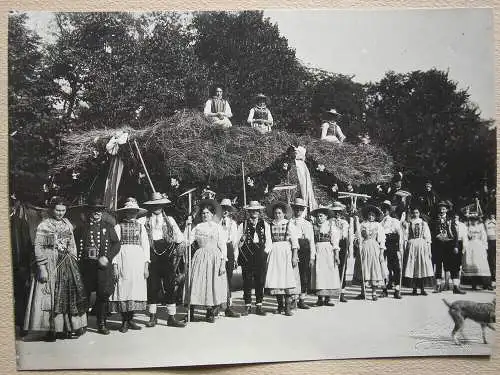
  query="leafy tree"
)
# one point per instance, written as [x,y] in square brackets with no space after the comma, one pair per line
[33,123]
[246,54]
[432,129]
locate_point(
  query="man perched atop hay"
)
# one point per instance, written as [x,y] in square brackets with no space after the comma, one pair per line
[217,110]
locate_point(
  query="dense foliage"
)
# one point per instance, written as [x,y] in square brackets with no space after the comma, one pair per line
[113,70]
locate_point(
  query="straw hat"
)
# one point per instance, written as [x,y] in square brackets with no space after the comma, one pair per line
[131,205]
[337,206]
[227,205]
[157,199]
[327,210]
[254,206]
[446,204]
[285,207]
[299,202]
[260,97]
[369,208]
[333,112]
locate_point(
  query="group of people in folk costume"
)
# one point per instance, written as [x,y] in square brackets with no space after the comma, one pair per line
[132,266]
[218,111]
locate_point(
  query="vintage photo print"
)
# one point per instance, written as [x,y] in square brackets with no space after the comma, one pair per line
[200,188]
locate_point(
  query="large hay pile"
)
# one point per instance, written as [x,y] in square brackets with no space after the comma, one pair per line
[186,146]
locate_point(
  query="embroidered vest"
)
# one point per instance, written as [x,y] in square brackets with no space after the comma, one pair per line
[322,237]
[260,113]
[279,232]
[250,232]
[218,105]
[130,233]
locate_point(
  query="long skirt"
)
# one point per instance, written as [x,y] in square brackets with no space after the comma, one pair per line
[368,264]
[60,304]
[207,287]
[475,265]
[281,277]
[325,279]
[417,263]
[130,293]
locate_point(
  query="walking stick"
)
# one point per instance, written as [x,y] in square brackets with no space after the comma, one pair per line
[187,280]
[244,184]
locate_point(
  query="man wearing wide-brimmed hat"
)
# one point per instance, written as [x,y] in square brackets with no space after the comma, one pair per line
[307,248]
[165,239]
[260,116]
[330,130]
[443,244]
[254,244]
[393,248]
[97,244]
[344,230]
[230,228]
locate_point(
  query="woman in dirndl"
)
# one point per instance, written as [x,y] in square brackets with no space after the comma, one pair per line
[57,301]
[369,264]
[475,265]
[207,279]
[325,279]
[131,265]
[417,259]
[282,277]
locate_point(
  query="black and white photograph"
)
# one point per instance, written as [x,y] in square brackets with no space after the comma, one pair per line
[232,187]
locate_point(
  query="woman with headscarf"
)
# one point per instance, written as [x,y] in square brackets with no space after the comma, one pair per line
[325,279]
[57,301]
[283,277]
[260,117]
[207,277]
[131,265]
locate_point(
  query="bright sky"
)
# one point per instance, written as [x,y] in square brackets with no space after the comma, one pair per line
[367,43]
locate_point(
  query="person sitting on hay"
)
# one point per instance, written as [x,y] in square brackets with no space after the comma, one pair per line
[217,109]
[260,117]
[330,130]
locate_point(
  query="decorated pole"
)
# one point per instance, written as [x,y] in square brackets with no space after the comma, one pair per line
[144,166]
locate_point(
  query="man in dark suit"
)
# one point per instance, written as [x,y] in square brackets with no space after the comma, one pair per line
[97,244]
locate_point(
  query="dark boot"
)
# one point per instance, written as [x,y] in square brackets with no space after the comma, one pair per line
[342,298]
[385,293]
[281,308]
[288,306]
[260,311]
[153,320]
[230,313]
[172,322]
[320,302]
[397,294]
[210,317]
[423,292]
[457,290]
[415,292]
[101,318]
[247,310]
[124,326]
[50,337]
[131,324]
[302,305]
[328,302]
